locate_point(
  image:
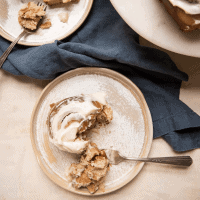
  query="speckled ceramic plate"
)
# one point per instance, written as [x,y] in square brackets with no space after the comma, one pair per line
[150,20]
[130,131]
[10,28]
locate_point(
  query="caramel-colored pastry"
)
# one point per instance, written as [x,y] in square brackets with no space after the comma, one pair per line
[91,151]
[52,2]
[185,12]
[45,25]
[30,15]
[91,169]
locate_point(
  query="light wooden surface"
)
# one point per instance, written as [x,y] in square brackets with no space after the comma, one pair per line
[22,178]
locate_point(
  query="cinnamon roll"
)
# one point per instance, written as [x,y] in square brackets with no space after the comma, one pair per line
[185,12]
[71,117]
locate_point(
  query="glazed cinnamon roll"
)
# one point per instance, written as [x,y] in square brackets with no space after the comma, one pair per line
[185,12]
[71,117]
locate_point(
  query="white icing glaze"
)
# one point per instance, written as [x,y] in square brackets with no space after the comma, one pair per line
[65,124]
[190,8]
[77,146]
[197,21]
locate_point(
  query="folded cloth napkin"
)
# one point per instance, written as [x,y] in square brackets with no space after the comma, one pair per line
[105,40]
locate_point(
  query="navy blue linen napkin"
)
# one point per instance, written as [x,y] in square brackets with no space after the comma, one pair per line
[105,40]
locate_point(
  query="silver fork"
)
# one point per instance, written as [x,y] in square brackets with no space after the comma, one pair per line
[25,31]
[115,158]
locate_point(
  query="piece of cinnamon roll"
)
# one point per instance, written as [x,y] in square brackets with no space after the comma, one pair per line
[71,117]
[91,169]
[185,12]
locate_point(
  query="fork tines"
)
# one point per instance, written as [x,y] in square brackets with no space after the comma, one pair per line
[41,4]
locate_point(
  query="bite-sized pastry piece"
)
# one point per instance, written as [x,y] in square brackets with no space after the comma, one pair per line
[185,12]
[63,17]
[30,14]
[45,25]
[52,2]
[91,169]
[71,118]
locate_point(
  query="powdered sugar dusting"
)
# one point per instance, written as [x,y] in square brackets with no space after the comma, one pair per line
[125,133]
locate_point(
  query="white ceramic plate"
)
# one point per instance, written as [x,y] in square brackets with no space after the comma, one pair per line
[10,28]
[130,131]
[150,20]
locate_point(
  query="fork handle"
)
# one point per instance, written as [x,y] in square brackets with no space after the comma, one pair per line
[9,49]
[175,160]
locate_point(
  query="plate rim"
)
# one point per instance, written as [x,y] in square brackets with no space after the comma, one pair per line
[148,138]
[10,38]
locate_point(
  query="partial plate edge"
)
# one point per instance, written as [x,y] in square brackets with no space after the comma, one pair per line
[7,36]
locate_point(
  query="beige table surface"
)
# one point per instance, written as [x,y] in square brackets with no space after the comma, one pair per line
[22,178]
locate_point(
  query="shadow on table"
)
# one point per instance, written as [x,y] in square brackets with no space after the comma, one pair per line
[23,79]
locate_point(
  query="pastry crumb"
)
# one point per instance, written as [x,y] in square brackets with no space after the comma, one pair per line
[63,17]
[45,25]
